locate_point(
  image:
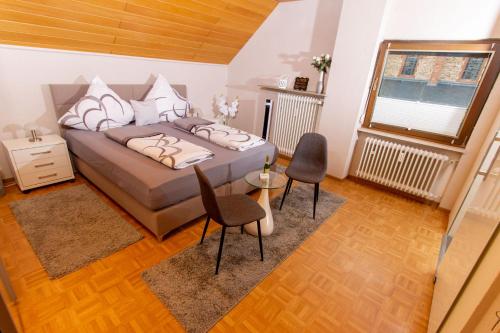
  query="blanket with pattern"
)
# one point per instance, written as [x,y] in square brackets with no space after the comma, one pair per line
[169,150]
[228,137]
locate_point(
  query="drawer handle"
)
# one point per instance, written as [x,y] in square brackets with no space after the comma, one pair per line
[44,165]
[41,153]
[48,176]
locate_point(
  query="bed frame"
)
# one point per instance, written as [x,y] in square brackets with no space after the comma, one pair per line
[159,222]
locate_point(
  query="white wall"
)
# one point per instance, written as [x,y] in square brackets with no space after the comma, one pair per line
[284,45]
[441,19]
[352,62]
[26,72]
[427,19]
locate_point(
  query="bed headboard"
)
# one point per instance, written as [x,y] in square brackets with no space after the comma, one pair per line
[65,96]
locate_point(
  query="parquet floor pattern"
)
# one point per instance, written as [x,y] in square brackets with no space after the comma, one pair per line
[368,268]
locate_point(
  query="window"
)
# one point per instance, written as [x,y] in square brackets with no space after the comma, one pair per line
[472,69]
[409,65]
[441,98]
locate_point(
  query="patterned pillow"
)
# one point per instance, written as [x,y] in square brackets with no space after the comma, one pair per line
[170,104]
[101,108]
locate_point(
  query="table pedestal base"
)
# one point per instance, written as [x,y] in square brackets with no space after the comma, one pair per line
[266,224]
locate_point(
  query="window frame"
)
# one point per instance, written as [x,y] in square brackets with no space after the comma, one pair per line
[485,86]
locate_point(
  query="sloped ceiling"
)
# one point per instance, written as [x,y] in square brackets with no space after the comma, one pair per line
[194,30]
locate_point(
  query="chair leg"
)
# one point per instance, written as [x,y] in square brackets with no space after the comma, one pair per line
[316,193]
[260,241]
[220,248]
[290,186]
[287,188]
[242,229]
[205,229]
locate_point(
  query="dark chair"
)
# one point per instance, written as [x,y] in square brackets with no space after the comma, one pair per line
[229,211]
[308,164]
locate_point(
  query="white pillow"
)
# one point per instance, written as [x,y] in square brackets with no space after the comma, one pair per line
[145,112]
[170,104]
[101,108]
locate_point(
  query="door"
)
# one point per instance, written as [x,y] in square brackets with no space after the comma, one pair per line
[468,236]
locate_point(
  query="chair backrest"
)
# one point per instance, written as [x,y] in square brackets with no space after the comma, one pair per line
[312,150]
[208,196]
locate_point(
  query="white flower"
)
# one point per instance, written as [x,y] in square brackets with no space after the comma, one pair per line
[327,56]
[222,105]
[234,107]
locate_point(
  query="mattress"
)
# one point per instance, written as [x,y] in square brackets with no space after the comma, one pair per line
[153,184]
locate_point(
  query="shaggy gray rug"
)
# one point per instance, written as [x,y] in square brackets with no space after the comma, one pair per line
[71,228]
[186,283]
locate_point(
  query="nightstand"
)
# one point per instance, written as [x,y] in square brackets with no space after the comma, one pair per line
[39,163]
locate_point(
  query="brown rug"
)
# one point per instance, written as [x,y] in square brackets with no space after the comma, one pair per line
[70,228]
[186,283]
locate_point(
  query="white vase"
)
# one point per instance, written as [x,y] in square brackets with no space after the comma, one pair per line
[320,87]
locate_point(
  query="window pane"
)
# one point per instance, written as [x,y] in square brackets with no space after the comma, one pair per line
[428,91]
[409,65]
[471,71]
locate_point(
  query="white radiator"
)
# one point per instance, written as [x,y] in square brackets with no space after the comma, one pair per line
[294,115]
[404,168]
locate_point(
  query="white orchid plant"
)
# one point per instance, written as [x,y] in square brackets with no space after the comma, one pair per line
[227,111]
[322,62]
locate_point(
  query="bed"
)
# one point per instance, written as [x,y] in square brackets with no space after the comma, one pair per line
[161,198]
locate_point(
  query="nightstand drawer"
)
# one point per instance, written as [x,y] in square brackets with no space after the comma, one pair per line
[31,154]
[46,176]
[60,161]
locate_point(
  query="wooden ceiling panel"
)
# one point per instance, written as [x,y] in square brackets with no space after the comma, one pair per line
[34,29]
[77,16]
[110,4]
[194,30]
[177,13]
[218,8]
[9,37]
[164,32]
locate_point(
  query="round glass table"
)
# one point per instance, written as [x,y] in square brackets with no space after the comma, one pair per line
[276,180]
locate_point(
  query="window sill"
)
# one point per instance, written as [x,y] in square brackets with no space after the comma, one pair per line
[412,140]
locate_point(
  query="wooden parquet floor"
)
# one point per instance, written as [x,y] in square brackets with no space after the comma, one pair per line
[368,268]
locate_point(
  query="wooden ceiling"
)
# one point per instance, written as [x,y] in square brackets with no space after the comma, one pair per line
[194,30]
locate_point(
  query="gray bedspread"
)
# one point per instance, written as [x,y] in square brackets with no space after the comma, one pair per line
[153,184]
[123,134]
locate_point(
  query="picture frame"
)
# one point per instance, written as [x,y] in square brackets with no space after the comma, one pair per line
[301,83]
